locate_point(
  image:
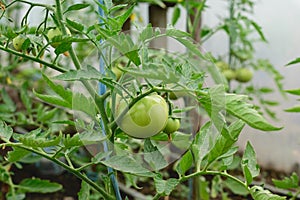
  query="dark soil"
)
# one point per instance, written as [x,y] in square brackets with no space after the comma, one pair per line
[71,184]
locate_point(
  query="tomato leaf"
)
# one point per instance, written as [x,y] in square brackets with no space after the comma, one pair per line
[294,91]
[165,187]
[185,163]
[237,106]
[236,187]
[153,156]
[38,138]
[222,145]
[72,141]
[66,98]
[85,74]
[146,33]
[78,6]
[125,45]
[127,164]
[85,104]
[79,27]
[26,44]
[258,29]
[63,47]
[249,164]
[124,16]
[259,193]
[84,192]
[5,131]
[201,144]
[17,154]
[293,109]
[154,72]
[8,104]
[287,182]
[53,100]
[25,97]
[296,61]
[39,186]
[60,90]
[175,15]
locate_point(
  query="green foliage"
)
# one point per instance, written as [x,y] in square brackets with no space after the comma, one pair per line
[61,123]
[185,163]
[249,164]
[287,182]
[5,132]
[165,187]
[258,193]
[84,192]
[38,185]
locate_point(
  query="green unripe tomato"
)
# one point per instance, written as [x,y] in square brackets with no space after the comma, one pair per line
[229,74]
[55,32]
[222,65]
[172,125]
[244,75]
[19,41]
[145,118]
[117,72]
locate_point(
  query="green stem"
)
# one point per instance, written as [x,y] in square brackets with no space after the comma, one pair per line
[12,186]
[64,31]
[231,16]
[47,6]
[156,197]
[71,51]
[224,174]
[65,166]
[100,101]
[17,53]
[295,195]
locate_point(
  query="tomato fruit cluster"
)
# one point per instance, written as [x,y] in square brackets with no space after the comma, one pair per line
[242,74]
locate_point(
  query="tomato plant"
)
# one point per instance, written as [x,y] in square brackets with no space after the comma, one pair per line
[81,113]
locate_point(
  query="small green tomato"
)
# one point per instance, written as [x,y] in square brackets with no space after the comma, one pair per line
[172,125]
[145,118]
[55,32]
[19,41]
[222,65]
[244,75]
[117,72]
[229,74]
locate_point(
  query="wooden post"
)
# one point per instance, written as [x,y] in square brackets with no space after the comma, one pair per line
[158,18]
